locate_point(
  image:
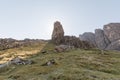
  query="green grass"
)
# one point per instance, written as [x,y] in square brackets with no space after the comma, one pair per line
[72,65]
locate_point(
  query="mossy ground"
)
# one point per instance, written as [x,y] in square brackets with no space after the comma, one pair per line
[75,64]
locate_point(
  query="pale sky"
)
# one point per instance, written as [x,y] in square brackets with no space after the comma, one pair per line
[21,19]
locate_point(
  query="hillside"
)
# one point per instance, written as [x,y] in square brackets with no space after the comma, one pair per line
[75,64]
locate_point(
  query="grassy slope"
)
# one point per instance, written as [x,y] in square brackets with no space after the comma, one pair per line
[73,65]
[22,51]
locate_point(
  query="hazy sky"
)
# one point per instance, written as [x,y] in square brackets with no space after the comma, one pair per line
[34,18]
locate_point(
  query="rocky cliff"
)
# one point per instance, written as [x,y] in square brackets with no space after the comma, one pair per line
[106,39]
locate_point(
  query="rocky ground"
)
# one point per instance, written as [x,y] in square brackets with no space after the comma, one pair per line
[26,49]
[9,43]
[75,64]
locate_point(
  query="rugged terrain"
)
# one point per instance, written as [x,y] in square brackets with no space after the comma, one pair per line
[75,64]
[61,58]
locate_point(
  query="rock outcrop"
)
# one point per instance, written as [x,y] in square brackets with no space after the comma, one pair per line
[101,39]
[114,45]
[76,42]
[112,31]
[58,38]
[106,39]
[88,36]
[58,33]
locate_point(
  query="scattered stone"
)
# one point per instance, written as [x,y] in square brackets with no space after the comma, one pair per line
[63,48]
[58,33]
[20,61]
[7,64]
[3,65]
[50,62]
[44,52]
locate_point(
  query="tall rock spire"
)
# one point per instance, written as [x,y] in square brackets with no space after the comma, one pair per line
[58,33]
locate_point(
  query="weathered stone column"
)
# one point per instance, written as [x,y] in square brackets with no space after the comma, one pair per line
[58,33]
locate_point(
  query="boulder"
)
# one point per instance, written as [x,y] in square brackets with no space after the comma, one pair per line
[20,61]
[58,33]
[88,36]
[112,31]
[101,39]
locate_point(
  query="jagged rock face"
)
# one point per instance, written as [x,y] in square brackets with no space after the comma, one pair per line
[88,36]
[58,33]
[114,45]
[112,31]
[108,38]
[101,39]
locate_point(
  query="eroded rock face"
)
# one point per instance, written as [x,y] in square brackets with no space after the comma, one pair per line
[108,38]
[101,39]
[58,33]
[112,31]
[88,36]
[114,45]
